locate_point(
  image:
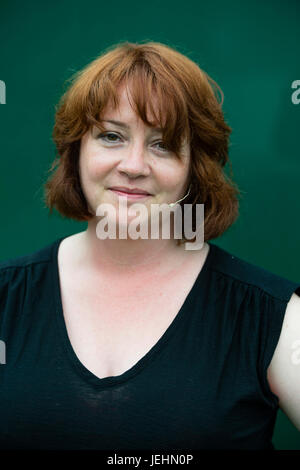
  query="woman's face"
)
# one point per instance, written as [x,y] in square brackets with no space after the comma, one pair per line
[130,155]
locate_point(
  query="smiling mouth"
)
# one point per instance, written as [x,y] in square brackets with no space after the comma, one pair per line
[130,195]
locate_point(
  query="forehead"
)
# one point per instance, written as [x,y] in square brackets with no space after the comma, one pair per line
[125,109]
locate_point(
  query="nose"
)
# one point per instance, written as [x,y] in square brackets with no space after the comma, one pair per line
[134,161]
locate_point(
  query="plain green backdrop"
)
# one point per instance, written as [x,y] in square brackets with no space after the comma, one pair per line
[251,48]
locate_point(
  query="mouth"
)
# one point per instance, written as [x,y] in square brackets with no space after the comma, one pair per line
[130,195]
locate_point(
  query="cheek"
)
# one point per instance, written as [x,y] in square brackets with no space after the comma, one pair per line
[93,169]
[174,176]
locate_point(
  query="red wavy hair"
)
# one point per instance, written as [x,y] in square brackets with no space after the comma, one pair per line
[189,105]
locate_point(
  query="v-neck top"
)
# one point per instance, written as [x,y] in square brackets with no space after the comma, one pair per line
[203,384]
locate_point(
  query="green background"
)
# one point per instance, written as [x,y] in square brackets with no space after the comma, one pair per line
[251,48]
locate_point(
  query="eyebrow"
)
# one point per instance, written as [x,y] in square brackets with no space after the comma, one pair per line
[125,126]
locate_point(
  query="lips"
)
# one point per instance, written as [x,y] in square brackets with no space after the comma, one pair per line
[131,191]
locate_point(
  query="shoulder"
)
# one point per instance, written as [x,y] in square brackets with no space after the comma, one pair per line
[235,268]
[24,283]
[18,264]
[275,308]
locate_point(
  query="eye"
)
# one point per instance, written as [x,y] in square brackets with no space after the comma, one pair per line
[109,137]
[163,147]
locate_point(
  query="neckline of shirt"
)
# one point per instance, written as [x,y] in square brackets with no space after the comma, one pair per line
[110,381]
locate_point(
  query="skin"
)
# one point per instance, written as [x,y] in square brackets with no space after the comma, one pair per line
[135,157]
[123,274]
[284,370]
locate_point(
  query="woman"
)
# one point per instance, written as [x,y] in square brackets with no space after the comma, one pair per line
[140,343]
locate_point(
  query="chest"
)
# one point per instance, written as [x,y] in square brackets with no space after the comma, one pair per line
[111,326]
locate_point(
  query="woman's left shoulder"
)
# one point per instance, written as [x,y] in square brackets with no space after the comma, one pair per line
[252,275]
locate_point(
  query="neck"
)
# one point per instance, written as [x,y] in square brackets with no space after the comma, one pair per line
[127,254]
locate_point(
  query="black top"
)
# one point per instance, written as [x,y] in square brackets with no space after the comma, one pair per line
[203,384]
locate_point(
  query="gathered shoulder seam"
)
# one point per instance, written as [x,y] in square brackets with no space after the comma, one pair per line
[25,265]
[257,286]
